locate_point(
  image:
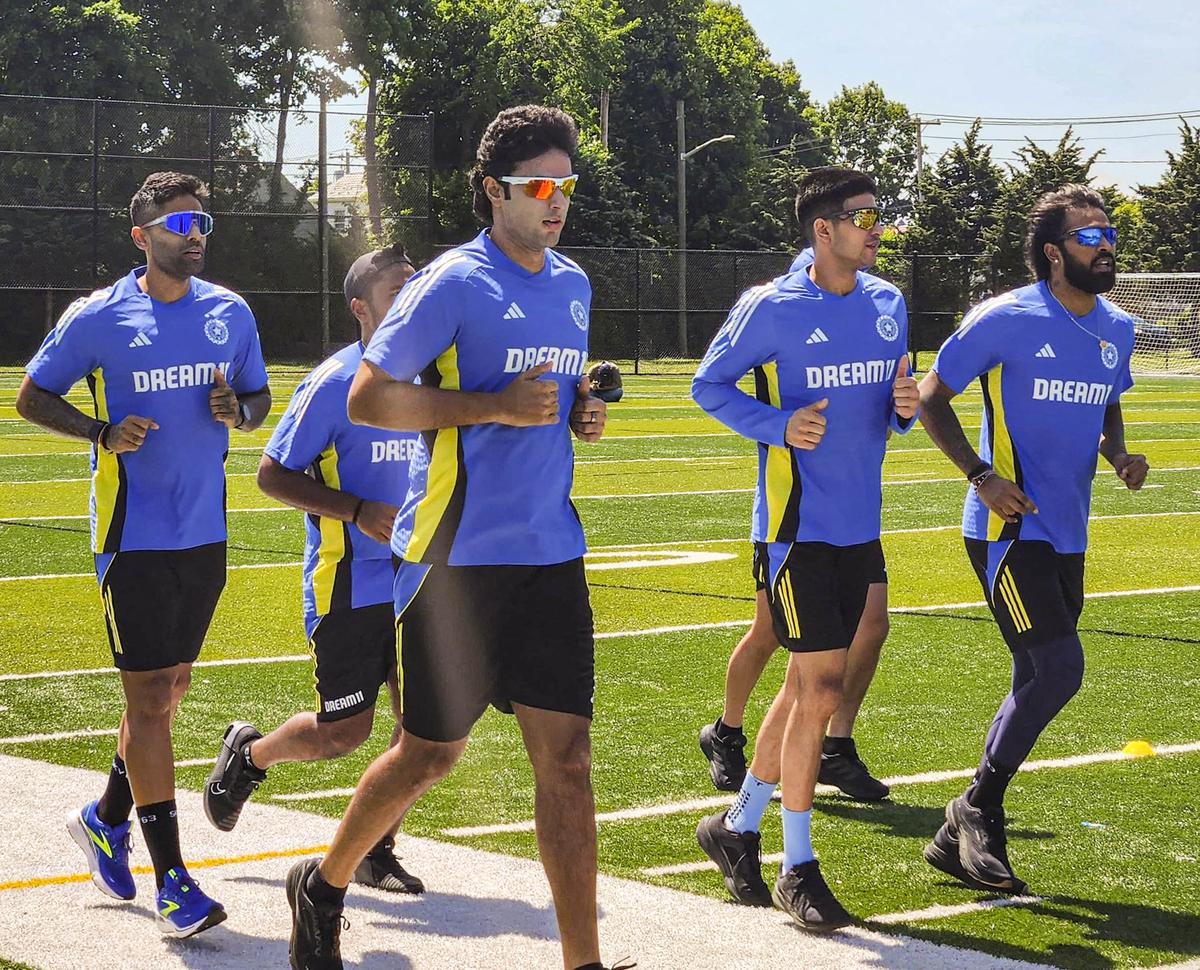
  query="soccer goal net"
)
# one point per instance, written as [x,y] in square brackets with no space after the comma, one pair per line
[1166,320]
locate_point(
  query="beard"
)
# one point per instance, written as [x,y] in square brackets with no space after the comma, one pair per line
[178,266]
[1083,276]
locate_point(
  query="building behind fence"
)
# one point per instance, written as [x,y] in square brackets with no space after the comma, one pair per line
[291,215]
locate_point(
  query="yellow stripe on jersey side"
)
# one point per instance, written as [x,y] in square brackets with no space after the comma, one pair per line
[106,480]
[333,538]
[1004,459]
[779,478]
[443,469]
[1016,607]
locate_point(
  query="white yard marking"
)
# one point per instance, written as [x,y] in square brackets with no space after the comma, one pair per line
[59,736]
[481,910]
[962,909]
[665,557]
[720,801]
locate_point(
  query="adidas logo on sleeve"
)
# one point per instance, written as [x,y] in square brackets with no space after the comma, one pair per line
[1046,351]
[817,337]
[514,312]
[141,340]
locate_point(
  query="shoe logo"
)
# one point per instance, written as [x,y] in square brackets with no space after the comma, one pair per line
[216,788]
[514,312]
[817,337]
[1046,351]
[141,340]
[100,840]
[169,906]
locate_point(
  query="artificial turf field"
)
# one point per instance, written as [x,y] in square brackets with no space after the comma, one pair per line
[665,500]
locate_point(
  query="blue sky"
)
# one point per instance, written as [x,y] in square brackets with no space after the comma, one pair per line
[1015,59]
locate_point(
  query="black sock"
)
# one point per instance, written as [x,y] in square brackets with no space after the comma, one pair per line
[160,830]
[319,891]
[991,781]
[833,746]
[725,731]
[385,846]
[117,801]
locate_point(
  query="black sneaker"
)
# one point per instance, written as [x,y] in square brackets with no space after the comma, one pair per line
[726,757]
[942,853]
[233,778]
[316,928]
[802,893]
[982,844]
[739,857]
[845,770]
[616,966]
[381,869]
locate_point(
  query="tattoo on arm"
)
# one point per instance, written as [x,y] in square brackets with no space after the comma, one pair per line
[49,411]
[942,424]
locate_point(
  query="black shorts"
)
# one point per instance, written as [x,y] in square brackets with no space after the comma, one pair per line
[355,650]
[477,635]
[158,604]
[1035,593]
[817,591]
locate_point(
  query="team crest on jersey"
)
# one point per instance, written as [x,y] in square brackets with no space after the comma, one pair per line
[216,331]
[1109,355]
[579,315]
[888,328]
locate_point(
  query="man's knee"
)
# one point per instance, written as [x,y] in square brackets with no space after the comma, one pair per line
[339,738]
[821,692]
[150,698]
[431,761]
[567,764]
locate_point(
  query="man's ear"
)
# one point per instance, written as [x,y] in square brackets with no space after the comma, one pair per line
[138,235]
[358,309]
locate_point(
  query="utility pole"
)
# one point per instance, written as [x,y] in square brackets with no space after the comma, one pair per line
[604,101]
[919,122]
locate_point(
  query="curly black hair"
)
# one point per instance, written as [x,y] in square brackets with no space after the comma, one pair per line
[1048,219]
[824,191]
[514,136]
[161,188]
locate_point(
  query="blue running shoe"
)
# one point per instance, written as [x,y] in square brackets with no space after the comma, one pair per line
[107,850]
[183,909]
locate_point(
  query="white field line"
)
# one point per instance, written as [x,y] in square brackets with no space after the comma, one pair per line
[59,736]
[705,865]
[719,801]
[249,565]
[611,635]
[962,909]
[195,762]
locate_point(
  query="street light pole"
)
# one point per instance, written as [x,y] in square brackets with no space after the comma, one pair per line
[681,193]
[919,121]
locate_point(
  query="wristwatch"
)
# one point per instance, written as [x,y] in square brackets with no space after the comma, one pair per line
[980,474]
[244,410]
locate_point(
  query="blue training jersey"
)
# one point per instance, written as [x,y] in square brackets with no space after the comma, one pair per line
[1047,379]
[155,360]
[473,320]
[343,567]
[804,344]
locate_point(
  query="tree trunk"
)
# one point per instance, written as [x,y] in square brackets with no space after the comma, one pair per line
[373,181]
[286,80]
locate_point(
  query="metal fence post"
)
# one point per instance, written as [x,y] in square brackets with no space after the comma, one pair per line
[429,223]
[322,218]
[916,308]
[637,302]
[212,160]
[96,192]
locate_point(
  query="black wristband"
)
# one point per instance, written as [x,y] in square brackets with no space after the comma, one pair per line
[96,433]
[357,510]
[978,470]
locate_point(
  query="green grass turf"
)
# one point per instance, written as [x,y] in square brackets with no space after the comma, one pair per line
[1119,896]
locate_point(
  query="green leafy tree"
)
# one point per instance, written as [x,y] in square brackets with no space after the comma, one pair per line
[1170,210]
[1039,171]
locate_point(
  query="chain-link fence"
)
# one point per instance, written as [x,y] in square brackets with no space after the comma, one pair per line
[290,215]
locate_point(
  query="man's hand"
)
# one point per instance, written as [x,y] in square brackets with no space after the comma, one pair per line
[528,402]
[130,434]
[806,427]
[905,393]
[375,519]
[1131,469]
[588,414]
[1005,499]
[223,402]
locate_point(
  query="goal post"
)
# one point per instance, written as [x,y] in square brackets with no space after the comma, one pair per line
[1166,320]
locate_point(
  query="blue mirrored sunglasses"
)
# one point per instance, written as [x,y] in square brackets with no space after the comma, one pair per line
[181,223]
[1091,235]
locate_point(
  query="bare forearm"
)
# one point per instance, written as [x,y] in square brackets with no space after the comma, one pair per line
[51,412]
[1112,440]
[943,427]
[304,493]
[398,406]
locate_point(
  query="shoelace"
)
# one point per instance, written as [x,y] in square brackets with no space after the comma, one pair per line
[325,930]
[245,782]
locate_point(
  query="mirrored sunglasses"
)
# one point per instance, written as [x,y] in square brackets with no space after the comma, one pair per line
[865,218]
[181,223]
[1091,235]
[542,187]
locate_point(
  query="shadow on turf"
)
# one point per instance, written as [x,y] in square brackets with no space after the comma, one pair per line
[1176,936]
[897,818]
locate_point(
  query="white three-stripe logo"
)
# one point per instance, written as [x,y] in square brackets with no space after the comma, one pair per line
[1046,351]
[817,337]
[141,340]
[514,312]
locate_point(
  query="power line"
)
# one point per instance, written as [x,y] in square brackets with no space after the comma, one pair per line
[1059,122]
[1152,134]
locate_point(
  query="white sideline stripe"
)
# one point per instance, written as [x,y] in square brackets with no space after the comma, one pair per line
[962,909]
[611,635]
[195,762]
[249,565]
[719,801]
[59,736]
[705,865]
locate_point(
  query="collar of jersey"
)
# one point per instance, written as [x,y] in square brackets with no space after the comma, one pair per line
[187,298]
[807,283]
[1090,323]
[499,259]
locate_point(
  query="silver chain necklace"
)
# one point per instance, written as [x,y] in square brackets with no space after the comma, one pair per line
[1075,320]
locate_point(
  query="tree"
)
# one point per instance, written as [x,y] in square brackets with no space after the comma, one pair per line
[866,131]
[1040,171]
[1171,209]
